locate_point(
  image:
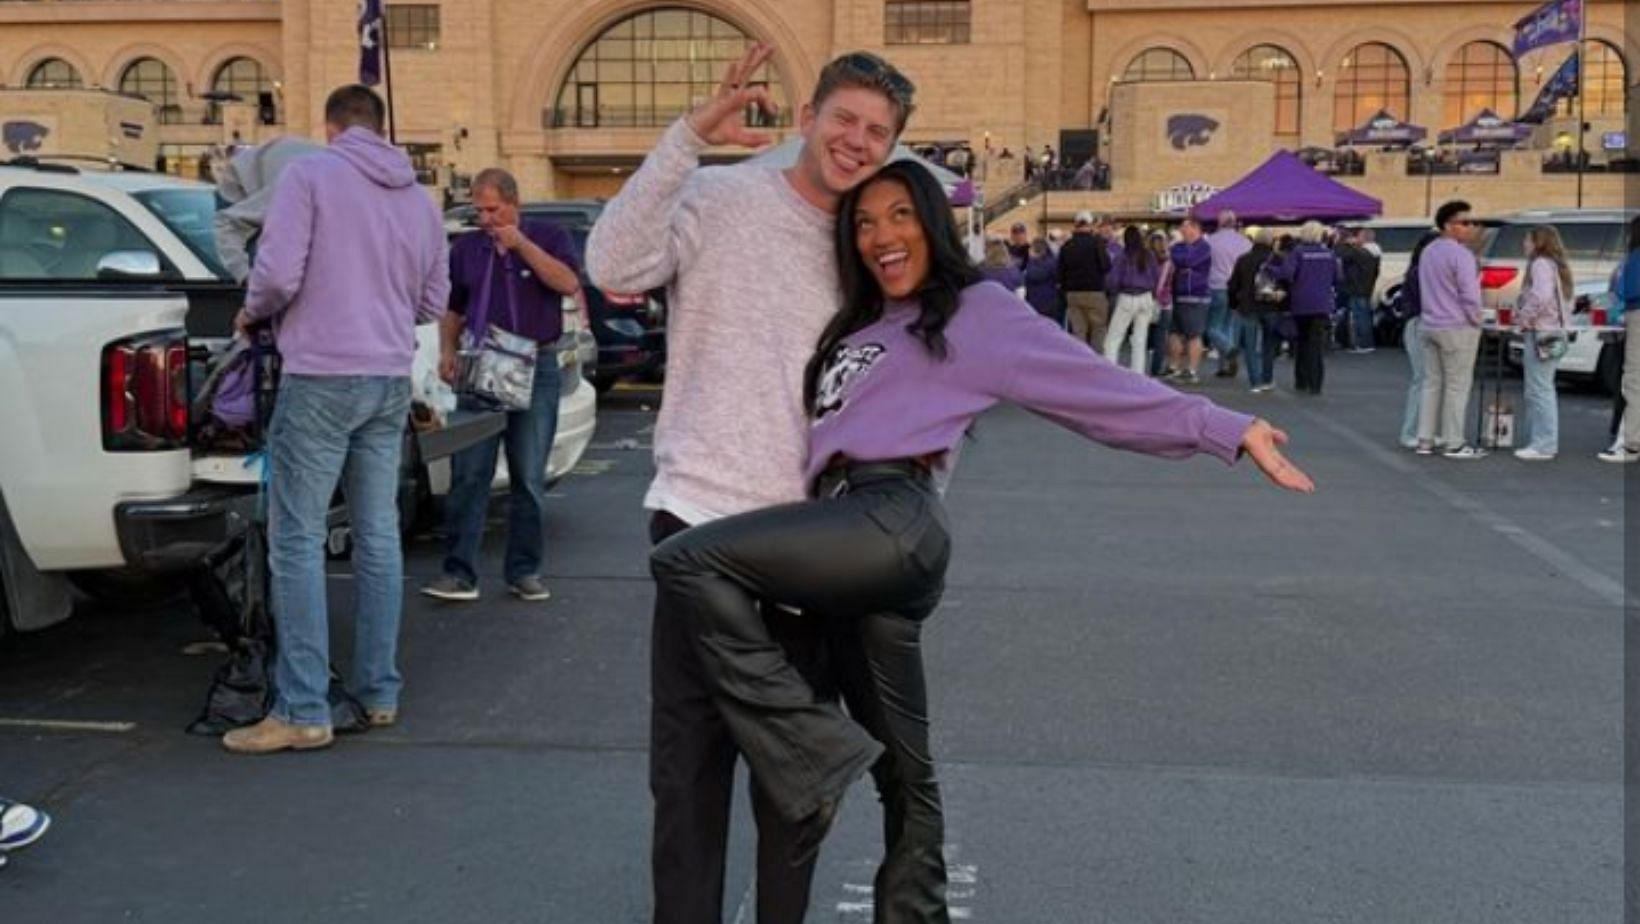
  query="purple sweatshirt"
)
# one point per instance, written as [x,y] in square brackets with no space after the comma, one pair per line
[350,259]
[1312,274]
[1127,279]
[1192,265]
[884,396]
[1449,286]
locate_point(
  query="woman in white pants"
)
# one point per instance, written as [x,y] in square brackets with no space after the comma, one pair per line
[1132,280]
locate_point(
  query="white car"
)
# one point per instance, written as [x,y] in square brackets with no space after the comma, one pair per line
[110,296]
[1590,356]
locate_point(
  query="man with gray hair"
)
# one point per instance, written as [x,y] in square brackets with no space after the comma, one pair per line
[1228,244]
[511,274]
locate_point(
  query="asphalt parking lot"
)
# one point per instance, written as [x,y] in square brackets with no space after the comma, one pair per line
[1162,692]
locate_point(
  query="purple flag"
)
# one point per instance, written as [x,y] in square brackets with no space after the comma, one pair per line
[370,42]
[1562,85]
[1550,24]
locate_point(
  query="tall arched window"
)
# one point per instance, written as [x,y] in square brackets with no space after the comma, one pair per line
[1606,74]
[1158,64]
[1275,64]
[1371,77]
[648,69]
[152,80]
[54,73]
[1481,75]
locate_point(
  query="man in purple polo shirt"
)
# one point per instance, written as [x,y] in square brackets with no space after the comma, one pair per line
[520,271]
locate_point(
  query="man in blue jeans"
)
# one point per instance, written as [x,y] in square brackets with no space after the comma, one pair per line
[1223,325]
[352,257]
[514,275]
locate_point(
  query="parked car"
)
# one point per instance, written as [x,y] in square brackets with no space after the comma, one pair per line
[1595,242]
[630,329]
[1591,358]
[1399,237]
[110,296]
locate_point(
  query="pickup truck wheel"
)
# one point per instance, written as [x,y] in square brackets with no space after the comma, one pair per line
[126,588]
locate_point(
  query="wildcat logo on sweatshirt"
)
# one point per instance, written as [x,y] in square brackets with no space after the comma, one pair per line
[846,366]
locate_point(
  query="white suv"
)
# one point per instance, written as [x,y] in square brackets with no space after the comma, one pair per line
[109,284]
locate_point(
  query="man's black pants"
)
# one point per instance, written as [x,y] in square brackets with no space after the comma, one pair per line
[692,771]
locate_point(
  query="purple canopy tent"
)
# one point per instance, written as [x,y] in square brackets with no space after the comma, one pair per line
[1487,128]
[1285,189]
[1383,129]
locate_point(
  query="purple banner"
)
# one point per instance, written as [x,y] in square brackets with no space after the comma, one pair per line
[370,42]
[1562,85]
[1550,24]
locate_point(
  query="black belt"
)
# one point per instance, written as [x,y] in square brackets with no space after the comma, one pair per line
[845,474]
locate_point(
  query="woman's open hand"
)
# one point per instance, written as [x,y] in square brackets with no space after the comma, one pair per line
[1262,444]
[722,119]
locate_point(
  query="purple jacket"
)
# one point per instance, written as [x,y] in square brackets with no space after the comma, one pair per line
[350,259]
[885,396]
[1125,278]
[1041,284]
[1312,274]
[1192,264]
[1010,277]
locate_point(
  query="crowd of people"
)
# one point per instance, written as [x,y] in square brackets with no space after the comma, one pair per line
[1167,300]
[1163,301]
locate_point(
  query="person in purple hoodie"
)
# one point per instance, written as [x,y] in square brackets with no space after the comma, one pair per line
[1192,266]
[351,258]
[1042,281]
[922,346]
[1312,274]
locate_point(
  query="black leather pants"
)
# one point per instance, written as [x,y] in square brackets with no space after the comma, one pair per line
[869,559]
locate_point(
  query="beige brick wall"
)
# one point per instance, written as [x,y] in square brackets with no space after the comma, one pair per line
[1032,68]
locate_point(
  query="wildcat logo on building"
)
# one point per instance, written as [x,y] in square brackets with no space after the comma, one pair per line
[1190,130]
[23,137]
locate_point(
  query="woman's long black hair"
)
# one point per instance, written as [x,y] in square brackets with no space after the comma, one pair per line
[1138,253]
[950,270]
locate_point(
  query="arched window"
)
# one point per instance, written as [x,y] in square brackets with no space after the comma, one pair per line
[242,80]
[1371,77]
[1158,64]
[648,69]
[242,77]
[1273,63]
[1480,76]
[1607,78]
[54,73]
[152,80]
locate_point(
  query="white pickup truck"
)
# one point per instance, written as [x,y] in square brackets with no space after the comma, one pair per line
[109,290]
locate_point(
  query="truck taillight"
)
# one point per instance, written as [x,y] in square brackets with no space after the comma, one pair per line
[145,393]
[1496,277]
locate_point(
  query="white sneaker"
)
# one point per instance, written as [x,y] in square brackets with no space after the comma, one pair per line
[20,825]
[1621,455]
[1465,453]
[1532,455]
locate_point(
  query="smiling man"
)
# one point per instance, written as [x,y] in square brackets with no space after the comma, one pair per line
[747,256]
